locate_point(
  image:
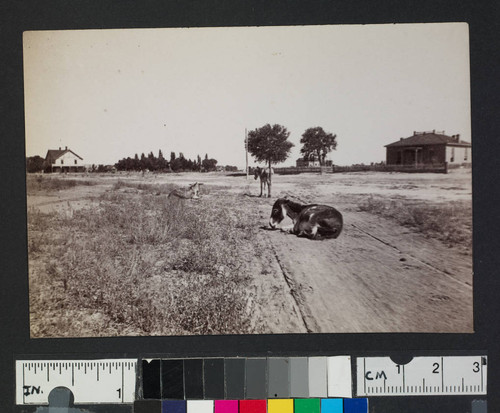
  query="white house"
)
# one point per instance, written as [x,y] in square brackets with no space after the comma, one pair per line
[63,160]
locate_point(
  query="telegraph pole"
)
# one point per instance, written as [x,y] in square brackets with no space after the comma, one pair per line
[246,151]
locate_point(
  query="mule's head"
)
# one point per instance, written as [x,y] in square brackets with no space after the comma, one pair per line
[277,213]
[256,173]
[195,189]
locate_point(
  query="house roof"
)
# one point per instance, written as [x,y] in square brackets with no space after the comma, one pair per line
[429,138]
[53,154]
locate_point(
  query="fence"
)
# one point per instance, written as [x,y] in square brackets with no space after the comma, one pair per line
[436,168]
[293,170]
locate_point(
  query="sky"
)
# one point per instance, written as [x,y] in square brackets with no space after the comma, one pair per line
[110,94]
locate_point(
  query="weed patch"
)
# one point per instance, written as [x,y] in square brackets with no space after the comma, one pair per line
[41,183]
[450,223]
[140,265]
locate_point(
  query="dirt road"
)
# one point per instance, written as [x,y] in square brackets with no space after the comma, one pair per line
[376,277]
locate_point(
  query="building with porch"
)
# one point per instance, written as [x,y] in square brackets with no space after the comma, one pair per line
[63,160]
[432,149]
[311,161]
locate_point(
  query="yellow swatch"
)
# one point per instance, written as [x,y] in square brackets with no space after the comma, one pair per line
[280,406]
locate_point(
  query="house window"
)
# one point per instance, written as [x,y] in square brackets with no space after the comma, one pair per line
[75,161]
[62,161]
[466,154]
[452,159]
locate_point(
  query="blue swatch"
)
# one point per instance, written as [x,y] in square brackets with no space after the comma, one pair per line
[355,405]
[173,406]
[332,406]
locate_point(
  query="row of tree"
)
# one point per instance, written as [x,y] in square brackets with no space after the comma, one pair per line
[159,163]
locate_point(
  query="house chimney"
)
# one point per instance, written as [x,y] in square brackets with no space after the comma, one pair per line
[400,139]
[414,132]
[59,148]
[66,148]
[458,137]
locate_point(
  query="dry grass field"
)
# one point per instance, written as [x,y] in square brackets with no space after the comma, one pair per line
[112,254]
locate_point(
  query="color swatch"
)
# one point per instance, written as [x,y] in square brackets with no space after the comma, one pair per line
[246,378]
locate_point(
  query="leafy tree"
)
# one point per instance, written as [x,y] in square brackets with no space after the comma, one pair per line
[269,144]
[35,163]
[315,141]
[209,165]
[162,163]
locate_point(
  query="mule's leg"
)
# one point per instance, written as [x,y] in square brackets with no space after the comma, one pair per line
[289,229]
[260,188]
[305,229]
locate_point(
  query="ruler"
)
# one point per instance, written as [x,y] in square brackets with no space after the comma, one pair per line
[90,381]
[448,375]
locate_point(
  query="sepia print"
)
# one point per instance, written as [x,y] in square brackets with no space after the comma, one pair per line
[200,181]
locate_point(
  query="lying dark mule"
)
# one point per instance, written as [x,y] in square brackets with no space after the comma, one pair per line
[265,179]
[311,221]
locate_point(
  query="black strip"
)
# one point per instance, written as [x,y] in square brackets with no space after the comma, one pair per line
[151,379]
[193,378]
[172,379]
[213,378]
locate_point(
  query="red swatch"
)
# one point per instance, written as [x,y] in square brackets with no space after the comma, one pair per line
[253,406]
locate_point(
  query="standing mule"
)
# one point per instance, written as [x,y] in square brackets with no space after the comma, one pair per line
[311,221]
[265,179]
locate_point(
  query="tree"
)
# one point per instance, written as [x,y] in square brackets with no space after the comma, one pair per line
[162,162]
[209,165]
[35,163]
[315,141]
[269,144]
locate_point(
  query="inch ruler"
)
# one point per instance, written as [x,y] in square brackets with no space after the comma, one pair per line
[90,381]
[422,376]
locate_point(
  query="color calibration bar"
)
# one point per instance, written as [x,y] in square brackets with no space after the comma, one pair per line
[247,378]
[253,406]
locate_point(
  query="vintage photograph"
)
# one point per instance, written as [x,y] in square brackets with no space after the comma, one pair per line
[249,180]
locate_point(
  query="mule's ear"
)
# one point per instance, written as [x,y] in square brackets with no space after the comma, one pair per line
[285,197]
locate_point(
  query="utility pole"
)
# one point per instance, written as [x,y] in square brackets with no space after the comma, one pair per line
[246,151]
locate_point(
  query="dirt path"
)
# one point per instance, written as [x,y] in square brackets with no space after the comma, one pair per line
[377,277]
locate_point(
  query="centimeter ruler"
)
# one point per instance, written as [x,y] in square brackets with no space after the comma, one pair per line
[90,381]
[422,376]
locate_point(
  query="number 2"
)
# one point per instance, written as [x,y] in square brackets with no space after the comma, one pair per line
[436,368]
